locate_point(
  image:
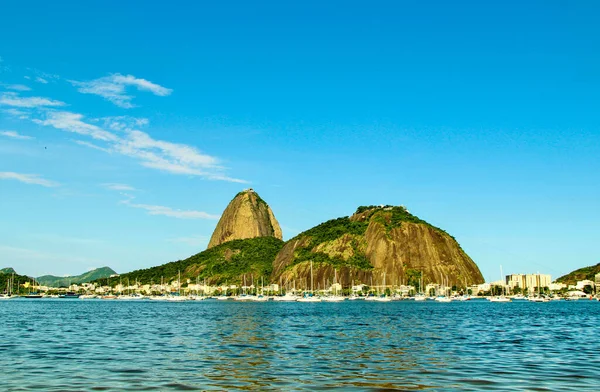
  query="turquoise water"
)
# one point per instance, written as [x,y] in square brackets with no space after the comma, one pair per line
[78,345]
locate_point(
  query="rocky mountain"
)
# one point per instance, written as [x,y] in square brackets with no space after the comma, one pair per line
[246,216]
[58,281]
[7,271]
[584,273]
[374,244]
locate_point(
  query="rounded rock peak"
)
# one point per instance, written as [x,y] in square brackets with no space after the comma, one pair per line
[246,216]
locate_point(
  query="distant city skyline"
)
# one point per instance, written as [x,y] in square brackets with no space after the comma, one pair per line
[122,139]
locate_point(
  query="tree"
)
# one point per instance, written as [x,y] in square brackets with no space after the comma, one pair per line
[588,289]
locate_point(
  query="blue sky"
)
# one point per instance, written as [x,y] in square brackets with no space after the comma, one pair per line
[127,127]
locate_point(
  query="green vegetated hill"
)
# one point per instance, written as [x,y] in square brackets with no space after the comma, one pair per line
[62,281]
[6,274]
[228,262]
[580,274]
[377,243]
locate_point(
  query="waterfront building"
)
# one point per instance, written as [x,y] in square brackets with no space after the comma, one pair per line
[557,286]
[530,282]
[582,283]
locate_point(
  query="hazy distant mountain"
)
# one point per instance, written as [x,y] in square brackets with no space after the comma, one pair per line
[7,271]
[58,281]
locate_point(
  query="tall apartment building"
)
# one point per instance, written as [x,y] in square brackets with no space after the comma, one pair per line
[529,281]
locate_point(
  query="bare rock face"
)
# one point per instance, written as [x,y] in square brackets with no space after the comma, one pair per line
[246,216]
[375,244]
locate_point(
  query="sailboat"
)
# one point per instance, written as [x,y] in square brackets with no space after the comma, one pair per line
[309,297]
[9,289]
[420,295]
[501,298]
[444,298]
[335,297]
[383,297]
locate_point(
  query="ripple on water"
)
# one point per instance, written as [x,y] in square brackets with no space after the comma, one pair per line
[216,345]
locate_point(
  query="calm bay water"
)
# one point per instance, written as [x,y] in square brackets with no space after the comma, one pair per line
[78,345]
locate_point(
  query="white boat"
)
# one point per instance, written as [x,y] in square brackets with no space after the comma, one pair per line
[420,297]
[499,299]
[176,298]
[222,297]
[443,298]
[285,298]
[309,298]
[333,298]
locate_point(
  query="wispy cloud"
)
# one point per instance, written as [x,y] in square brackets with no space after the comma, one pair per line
[15,135]
[195,240]
[124,123]
[113,88]
[13,99]
[118,187]
[27,178]
[72,122]
[16,113]
[92,145]
[168,211]
[41,80]
[156,154]
[16,87]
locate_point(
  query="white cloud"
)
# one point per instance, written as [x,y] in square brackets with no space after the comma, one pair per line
[92,145]
[12,99]
[23,115]
[156,154]
[113,87]
[118,187]
[17,87]
[124,123]
[27,178]
[15,135]
[72,122]
[195,240]
[41,80]
[168,211]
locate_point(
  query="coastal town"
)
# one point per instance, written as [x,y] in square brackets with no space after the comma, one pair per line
[535,287]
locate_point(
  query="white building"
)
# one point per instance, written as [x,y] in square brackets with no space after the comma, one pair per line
[582,283]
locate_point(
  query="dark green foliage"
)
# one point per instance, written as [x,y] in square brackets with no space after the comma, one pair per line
[357,260]
[6,274]
[252,256]
[585,273]
[333,229]
[413,277]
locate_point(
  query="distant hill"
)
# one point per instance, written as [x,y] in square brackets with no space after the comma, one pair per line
[228,262]
[580,274]
[6,274]
[58,281]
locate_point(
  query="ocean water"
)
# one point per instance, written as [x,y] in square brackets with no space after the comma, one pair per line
[87,345]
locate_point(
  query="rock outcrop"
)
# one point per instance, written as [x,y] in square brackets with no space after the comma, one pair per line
[374,244]
[246,216]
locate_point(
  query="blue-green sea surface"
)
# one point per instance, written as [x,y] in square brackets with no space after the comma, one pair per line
[96,345]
